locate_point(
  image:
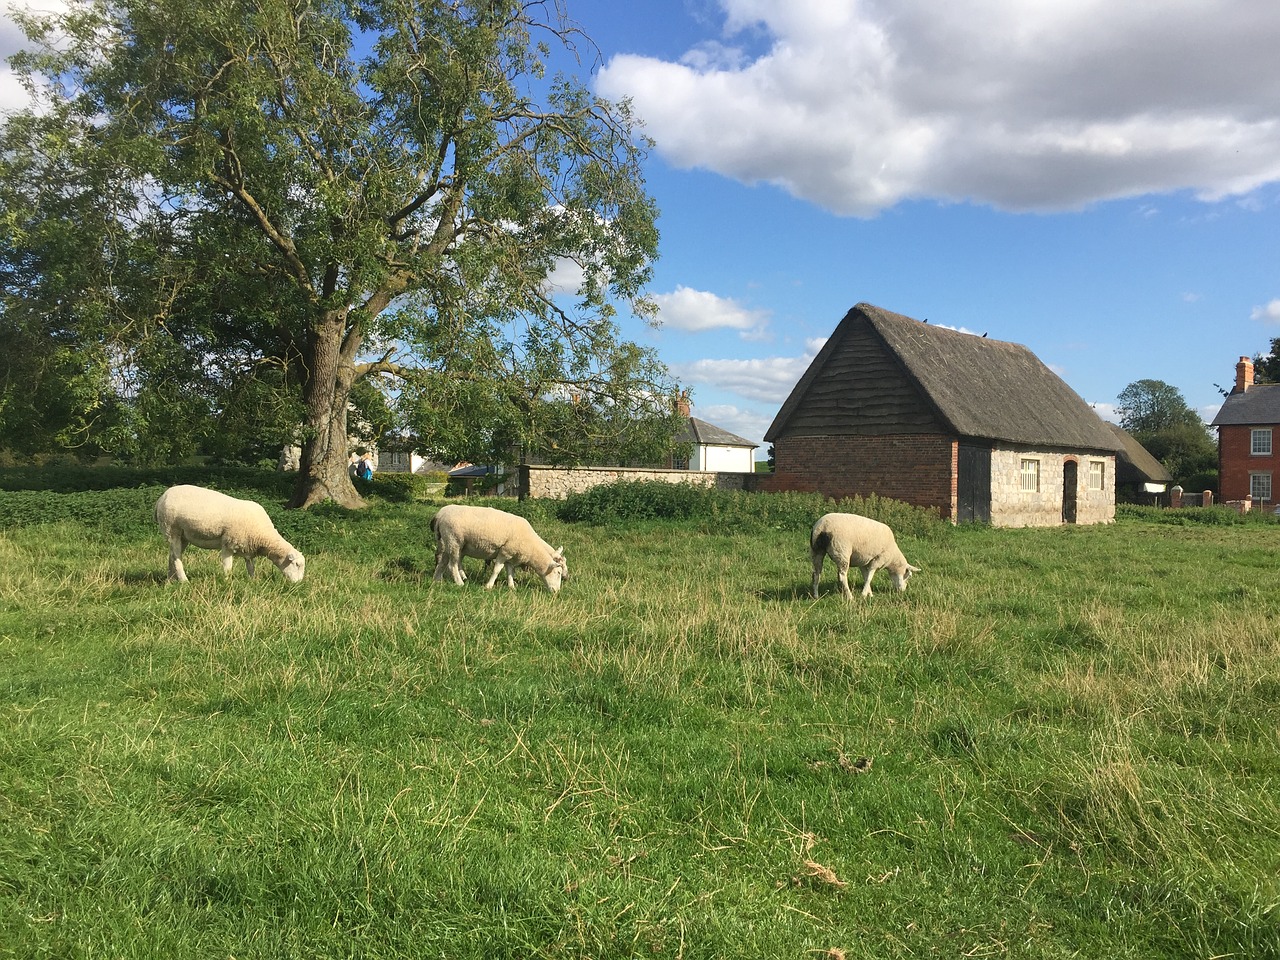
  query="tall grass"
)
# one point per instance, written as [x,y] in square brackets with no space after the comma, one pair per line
[1056,743]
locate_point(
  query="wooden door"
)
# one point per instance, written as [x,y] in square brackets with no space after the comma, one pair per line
[973,484]
[1070,491]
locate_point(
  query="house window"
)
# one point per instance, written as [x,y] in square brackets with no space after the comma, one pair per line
[1097,474]
[1260,442]
[1030,476]
[1260,486]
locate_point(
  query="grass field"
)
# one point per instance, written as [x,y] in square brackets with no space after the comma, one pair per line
[1057,743]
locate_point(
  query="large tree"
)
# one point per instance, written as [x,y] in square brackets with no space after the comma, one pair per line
[1158,417]
[307,193]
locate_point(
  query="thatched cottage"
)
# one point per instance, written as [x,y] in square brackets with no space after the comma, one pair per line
[980,429]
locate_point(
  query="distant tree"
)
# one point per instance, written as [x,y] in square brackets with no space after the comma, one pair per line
[1149,405]
[1158,417]
[1266,368]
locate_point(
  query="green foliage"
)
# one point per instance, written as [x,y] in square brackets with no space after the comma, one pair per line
[641,500]
[269,484]
[1208,516]
[1146,406]
[235,215]
[1157,416]
[1266,369]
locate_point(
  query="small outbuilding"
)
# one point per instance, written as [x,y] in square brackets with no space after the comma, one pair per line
[713,448]
[978,428]
[1140,477]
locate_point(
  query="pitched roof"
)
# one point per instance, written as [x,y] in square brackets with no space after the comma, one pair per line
[1259,404]
[1134,462]
[708,434]
[978,387]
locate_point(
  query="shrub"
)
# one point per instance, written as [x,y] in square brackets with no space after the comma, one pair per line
[656,500]
[1209,516]
[113,512]
[264,484]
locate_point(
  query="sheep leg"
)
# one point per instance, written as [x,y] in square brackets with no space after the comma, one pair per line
[868,572]
[176,570]
[819,556]
[447,563]
[493,577]
[248,565]
[842,574]
[228,559]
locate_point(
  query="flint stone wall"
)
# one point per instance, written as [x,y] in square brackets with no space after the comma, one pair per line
[556,483]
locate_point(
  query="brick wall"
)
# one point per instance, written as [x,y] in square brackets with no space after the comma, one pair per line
[1236,462]
[915,468]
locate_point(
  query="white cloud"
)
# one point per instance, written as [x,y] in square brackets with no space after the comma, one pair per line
[1269,313]
[947,326]
[1107,411]
[13,96]
[765,380]
[697,310]
[565,278]
[855,105]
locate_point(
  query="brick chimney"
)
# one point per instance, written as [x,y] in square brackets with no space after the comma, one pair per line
[682,403]
[1244,375]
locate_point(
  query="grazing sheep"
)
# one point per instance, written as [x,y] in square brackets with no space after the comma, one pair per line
[194,516]
[496,537]
[849,539]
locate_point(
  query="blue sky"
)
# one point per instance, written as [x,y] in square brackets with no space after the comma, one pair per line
[1099,181]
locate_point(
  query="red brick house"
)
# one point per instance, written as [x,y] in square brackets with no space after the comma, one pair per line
[978,428]
[1249,439]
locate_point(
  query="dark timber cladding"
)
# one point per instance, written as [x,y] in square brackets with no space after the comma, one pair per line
[863,389]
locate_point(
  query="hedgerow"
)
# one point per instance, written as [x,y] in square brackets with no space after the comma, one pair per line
[1208,516]
[655,500]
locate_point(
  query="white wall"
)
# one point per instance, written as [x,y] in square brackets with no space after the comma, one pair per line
[723,459]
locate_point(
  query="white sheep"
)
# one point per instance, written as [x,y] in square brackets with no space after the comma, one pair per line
[851,540]
[195,516]
[497,537]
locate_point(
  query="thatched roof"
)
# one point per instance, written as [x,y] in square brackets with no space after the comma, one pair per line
[1134,463]
[708,434]
[977,387]
[1260,405]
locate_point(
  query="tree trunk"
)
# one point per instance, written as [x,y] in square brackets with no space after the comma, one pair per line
[322,473]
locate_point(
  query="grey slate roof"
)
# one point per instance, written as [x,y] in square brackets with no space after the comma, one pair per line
[1260,404]
[979,387]
[1134,462]
[708,434]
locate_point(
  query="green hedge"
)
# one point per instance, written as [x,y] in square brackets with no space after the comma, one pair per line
[270,484]
[641,500]
[1211,516]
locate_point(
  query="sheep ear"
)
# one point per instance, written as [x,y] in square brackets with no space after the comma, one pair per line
[913,569]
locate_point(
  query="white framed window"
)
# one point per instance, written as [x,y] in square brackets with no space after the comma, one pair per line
[1260,442]
[1097,474]
[1260,486]
[1030,476]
